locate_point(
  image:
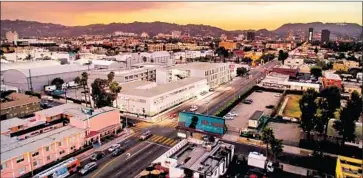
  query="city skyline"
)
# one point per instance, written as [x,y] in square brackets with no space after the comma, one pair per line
[226,15]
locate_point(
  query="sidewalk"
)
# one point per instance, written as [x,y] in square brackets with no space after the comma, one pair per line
[121,137]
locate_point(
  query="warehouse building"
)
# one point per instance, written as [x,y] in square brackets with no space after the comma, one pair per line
[36,78]
[145,98]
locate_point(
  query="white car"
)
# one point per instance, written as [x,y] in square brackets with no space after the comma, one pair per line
[193,108]
[228,118]
[278,94]
[114,147]
[233,114]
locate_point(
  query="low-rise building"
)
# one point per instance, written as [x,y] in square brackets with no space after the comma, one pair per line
[18,105]
[228,45]
[286,70]
[144,98]
[294,62]
[350,87]
[281,82]
[196,158]
[331,79]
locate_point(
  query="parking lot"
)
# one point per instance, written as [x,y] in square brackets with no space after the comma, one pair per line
[245,111]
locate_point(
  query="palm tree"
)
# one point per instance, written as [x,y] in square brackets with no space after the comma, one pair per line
[77,80]
[276,148]
[267,137]
[115,89]
[84,83]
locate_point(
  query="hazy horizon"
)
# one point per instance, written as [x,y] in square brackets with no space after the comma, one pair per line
[225,15]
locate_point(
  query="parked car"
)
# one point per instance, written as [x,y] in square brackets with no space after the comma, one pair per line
[88,168]
[278,94]
[129,123]
[228,117]
[193,108]
[270,106]
[247,101]
[117,152]
[145,135]
[114,147]
[211,89]
[233,114]
[97,155]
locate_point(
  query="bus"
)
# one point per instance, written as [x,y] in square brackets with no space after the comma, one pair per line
[61,170]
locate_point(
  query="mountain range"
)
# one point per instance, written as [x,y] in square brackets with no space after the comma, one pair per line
[33,28]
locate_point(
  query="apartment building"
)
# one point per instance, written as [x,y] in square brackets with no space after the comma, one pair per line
[144,98]
[228,45]
[215,73]
[331,79]
[18,105]
[156,47]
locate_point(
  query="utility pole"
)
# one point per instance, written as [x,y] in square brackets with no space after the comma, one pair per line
[30,81]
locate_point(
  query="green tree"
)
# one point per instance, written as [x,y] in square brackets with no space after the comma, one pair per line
[115,89]
[316,71]
[322,64]
[144,59]
[77,80]
[110,77]
[276,148]
[350,114]
[282,56]
[333,97]
[308,109]
[241,71]
[84,84]
[57,82]
[99,95]
[267,137]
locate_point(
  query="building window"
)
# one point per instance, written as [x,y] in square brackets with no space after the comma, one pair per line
[47,148]
[20,159]
[35,154]
[48,158]
[61,152]
[3,166]
[21,170]
[59,143]
[73,147]
[35,163]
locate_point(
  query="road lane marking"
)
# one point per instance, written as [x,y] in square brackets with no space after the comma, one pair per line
[169,142]
[163,139]
[137,152]
[158,144]
[103,167]
[156,138]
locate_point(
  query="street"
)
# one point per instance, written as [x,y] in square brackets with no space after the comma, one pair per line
[142,153]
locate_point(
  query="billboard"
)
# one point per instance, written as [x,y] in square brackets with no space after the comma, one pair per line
[202,123]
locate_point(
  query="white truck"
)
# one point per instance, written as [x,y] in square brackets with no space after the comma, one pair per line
[50,88]
[256,159]
[72,84]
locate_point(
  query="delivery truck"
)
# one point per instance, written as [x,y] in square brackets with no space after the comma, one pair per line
[257,160]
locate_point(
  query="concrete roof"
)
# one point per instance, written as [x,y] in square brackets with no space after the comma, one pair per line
[18,99]
[59,109]
[199,66]
[51,70]
[11,148]
[29,65]
[77,113]
[332,76]
[9,123]
[137,88]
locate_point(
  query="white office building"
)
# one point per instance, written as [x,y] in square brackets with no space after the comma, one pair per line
[149,98]
[215,73]
[196,158]
[281,82]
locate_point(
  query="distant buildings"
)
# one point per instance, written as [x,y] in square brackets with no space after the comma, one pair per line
[176,34]
[310,35]
[331,79]
[251,36]
[281,82]
[11,36]
[291,71]
[325,34]
[18,105]
[144,35]
[125,34]
[228,45]
[223,37]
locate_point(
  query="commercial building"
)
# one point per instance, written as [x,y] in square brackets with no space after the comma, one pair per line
[104,64]
[281,82]
[155,47]
[19,157]
[228,45]
[331,79]
[144,98]
[325,36]
[292,71]
[36,78]
[348,167]
[28,65]
[18,105]
[250,36]
[145,73]
[294,62]
[215,73]
[196,158]
[310,35]
[11,36]
[176,34]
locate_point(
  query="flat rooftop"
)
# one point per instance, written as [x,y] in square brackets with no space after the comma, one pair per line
[59,109]
[198,65]
[11,148]
[9,123]
[150,89]
[83,113]
[17,99]
[332,76]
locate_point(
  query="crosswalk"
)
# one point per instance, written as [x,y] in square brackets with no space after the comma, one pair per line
[163,140]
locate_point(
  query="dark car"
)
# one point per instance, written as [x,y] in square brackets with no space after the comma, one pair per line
[247,101]
[270,106]
[88,168]
[97,155]
[117,152]
[129,123]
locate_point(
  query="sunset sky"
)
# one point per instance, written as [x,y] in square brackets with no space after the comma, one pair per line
[226,15]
